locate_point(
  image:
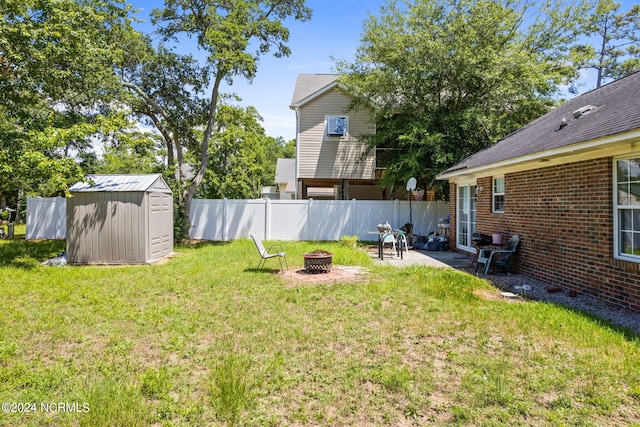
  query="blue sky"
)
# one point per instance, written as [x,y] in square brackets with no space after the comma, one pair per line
[333,31]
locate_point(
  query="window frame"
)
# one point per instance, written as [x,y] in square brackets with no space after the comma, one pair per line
[327,120]
[466,215]
[495,193]
[620,206]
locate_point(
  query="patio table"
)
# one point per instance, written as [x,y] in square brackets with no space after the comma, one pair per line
[381,234]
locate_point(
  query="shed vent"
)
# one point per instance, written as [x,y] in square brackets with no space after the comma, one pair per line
[582,111]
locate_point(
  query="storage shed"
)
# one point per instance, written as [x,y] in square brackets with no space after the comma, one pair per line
[119,219]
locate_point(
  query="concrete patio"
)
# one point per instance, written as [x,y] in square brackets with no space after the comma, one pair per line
[443,259]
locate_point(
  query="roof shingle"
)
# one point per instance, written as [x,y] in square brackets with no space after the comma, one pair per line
[617,110]
[309,84]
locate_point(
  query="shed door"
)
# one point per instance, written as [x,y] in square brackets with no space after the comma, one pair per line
[160,225]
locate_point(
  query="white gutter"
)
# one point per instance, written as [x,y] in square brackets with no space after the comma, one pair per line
[544,156]
[297,111]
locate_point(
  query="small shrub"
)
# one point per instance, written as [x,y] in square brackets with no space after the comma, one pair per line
[349,241]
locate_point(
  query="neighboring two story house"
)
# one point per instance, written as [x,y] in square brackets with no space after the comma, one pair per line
[286,178]
[329,158]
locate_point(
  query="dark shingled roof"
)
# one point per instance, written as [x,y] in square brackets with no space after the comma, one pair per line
[310,84]
[617,110]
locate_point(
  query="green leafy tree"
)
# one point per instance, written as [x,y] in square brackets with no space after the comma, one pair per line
[233,35]
[132,152]
[288,148]
[614,52]
[449,78]
[243,158]
[56,83]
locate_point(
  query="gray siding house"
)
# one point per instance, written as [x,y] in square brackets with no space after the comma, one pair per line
[329,158]
[119,219]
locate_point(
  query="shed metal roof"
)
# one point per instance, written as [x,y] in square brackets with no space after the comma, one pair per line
[115,183]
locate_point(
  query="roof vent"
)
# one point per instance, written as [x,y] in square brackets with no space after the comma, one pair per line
[582,111]
[563,123]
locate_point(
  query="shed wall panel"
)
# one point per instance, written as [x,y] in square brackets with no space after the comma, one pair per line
[105,228]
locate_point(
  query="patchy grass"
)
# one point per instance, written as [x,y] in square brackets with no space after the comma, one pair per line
[208,339]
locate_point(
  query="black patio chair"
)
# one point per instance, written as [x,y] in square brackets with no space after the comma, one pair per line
[498,257]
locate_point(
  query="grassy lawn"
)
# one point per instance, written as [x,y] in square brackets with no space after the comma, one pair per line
[206,339]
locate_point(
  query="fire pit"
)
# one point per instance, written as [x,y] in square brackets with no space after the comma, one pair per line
[318,261]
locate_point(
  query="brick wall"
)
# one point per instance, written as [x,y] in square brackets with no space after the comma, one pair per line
[564,215]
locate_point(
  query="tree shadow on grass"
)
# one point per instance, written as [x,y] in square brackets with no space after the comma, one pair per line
[263,270]
[28,254]
[197,244]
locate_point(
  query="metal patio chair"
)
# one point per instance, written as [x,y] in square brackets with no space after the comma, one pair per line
[265,254]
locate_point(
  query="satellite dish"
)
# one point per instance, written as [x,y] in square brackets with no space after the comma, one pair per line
[411,184]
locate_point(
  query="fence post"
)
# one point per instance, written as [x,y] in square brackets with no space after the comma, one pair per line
[267,219]
[224,219]
[396,204]
[352,232]
[307,226]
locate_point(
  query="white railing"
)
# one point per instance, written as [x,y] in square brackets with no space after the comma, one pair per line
[228,219]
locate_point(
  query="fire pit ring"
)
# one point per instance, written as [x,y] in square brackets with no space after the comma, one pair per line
[318,261]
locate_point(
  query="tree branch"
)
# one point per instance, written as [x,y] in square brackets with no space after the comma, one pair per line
[146,98]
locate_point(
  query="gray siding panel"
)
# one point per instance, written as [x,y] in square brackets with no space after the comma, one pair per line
[322,156]
[106,228]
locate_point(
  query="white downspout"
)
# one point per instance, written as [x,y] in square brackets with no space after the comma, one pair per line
[297,110]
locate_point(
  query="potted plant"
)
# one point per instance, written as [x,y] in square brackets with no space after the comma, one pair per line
[4,216]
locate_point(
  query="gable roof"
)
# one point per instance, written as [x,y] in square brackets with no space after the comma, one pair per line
[113,183]
[309,86]
[617,110]
[285,170]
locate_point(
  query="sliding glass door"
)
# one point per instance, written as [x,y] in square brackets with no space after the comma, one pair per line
[466,216]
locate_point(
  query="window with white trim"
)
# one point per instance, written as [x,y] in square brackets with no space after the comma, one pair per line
[498,195]
[627,208]
[337,125]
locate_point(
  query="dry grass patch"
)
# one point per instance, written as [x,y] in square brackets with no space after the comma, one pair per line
[338,274]
[207,339]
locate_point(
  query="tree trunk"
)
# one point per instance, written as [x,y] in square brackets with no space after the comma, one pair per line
[18,219]
[603,51]
[190,191]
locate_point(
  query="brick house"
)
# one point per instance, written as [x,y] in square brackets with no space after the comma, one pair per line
[569,184]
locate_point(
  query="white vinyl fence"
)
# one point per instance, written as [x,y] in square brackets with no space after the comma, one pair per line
[46,218]
[226,219]
[308,219]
